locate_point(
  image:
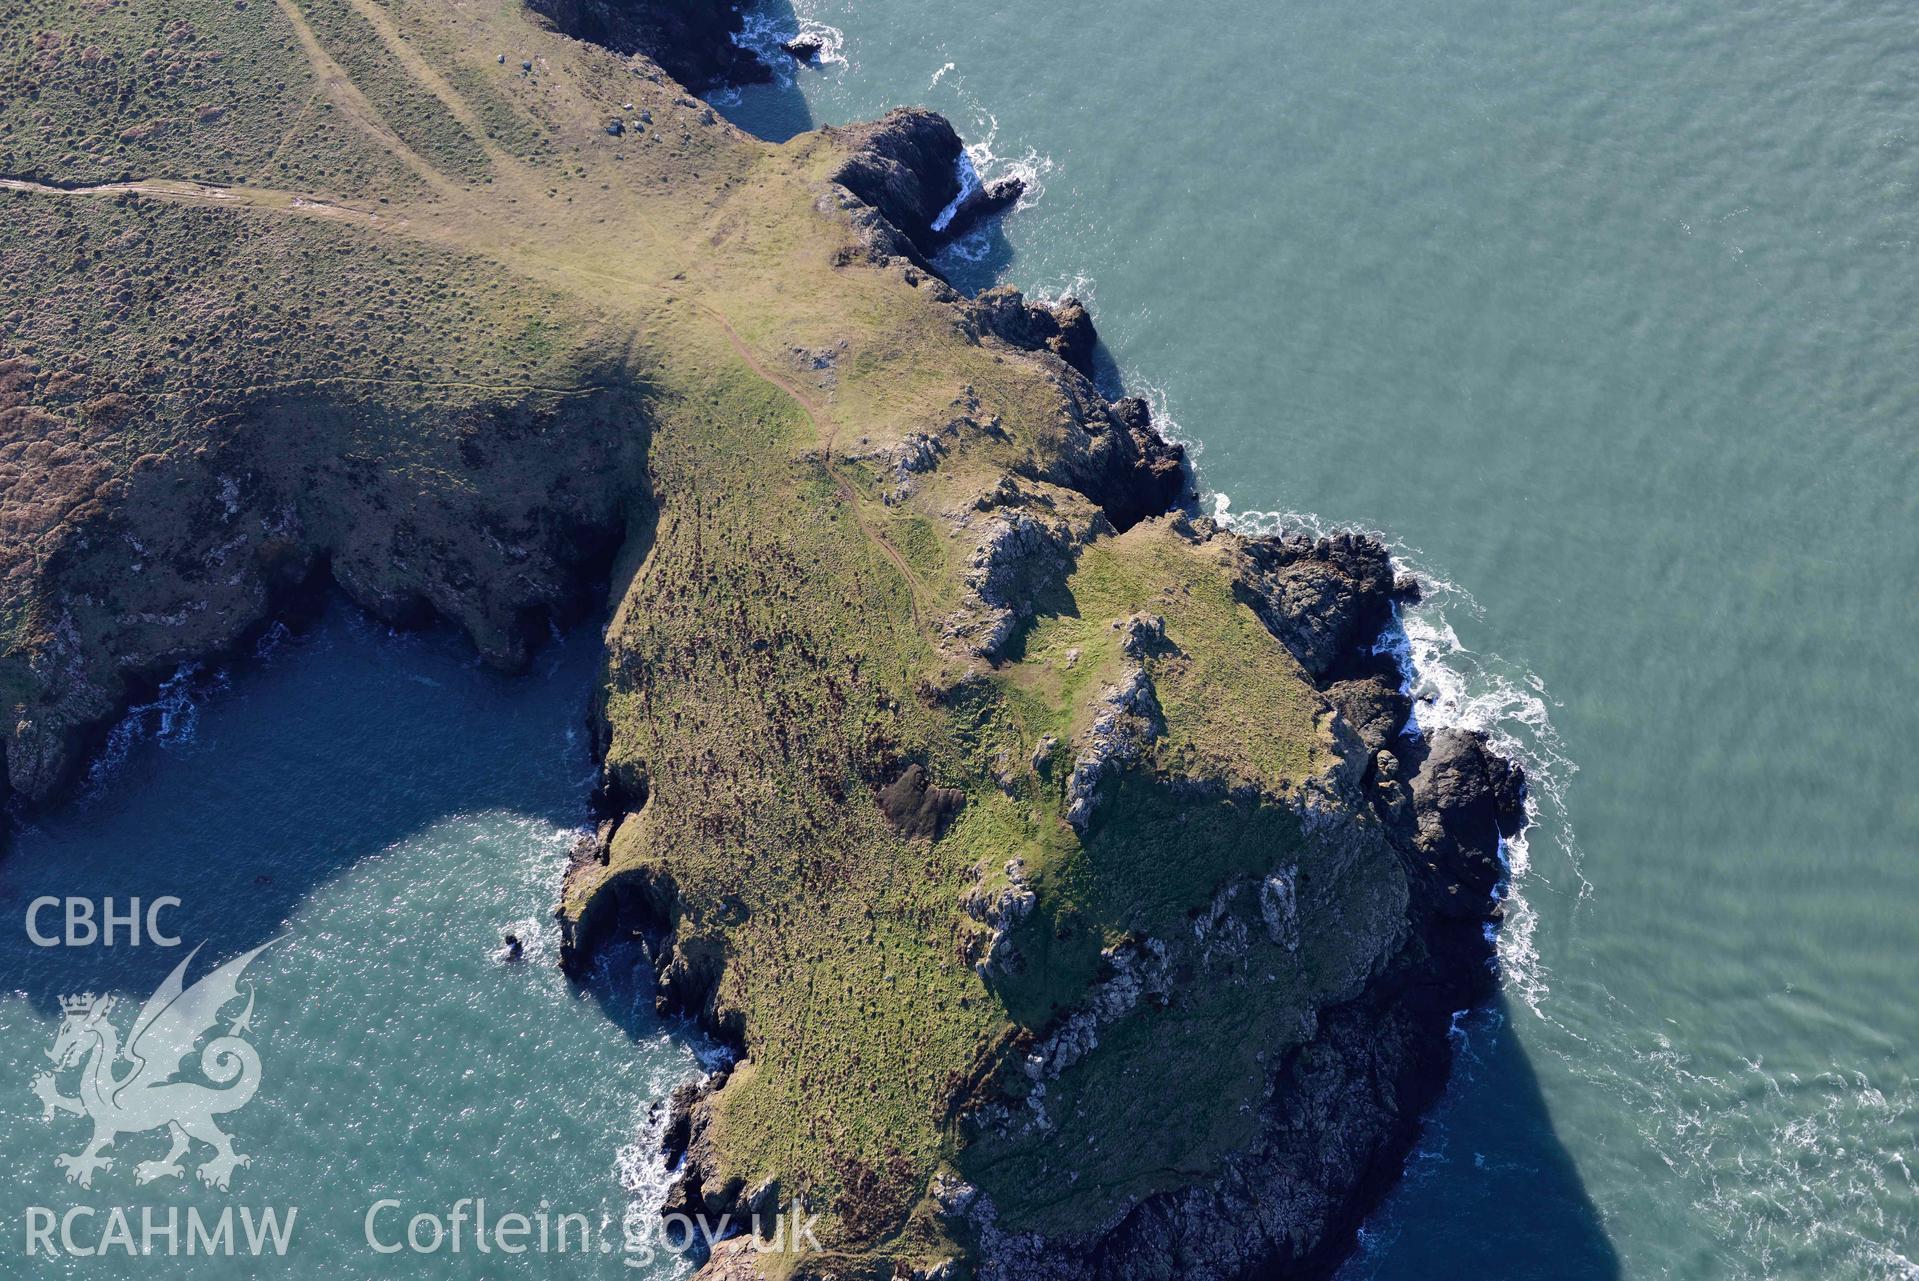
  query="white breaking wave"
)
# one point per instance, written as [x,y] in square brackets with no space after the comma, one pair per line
[981,165]
[171,719]
[640,1165]
[644,1175]
[271,639]
[1452,686]
[1080,286]
[1131,383]
[969,186]
[763,33]
[545,851]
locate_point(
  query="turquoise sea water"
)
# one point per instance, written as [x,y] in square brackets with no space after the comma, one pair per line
[1608,314]
[386,811]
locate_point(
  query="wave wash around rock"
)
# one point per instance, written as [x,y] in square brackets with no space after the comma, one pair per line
[1051,857]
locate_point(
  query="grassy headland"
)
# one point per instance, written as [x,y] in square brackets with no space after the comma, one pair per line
[1013,848]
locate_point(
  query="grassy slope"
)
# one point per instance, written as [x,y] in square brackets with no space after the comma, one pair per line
[408,230]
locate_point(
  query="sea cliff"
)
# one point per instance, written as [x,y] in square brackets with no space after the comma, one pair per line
[1055,860]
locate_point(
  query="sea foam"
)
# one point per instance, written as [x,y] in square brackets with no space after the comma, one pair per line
[764,30]
[980,165]
[171,719]
[1453,686]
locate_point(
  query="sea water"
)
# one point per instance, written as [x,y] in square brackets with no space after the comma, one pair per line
[1606,315]
[379,812]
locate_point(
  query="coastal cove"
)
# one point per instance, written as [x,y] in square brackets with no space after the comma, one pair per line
[380,810]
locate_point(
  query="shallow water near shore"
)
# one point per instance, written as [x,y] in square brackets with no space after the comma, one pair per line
[1606,315]
[381,811]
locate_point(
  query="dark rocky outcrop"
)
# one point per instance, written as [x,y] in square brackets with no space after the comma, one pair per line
[981,201]
[691,40]
[1064,328]
[1325,1146]
[1344,1109]
[1374,707]
[1448,799]
[906,166]
[1465,798]
[686,1145]
[1327,599]
[1074,337]
[1114,455]
[911,167]
[1148,473]
[803,48]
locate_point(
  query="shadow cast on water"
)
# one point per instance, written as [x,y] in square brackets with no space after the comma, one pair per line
[347,742]
[1490,1155]
[980,259]
[776,110]
[621,981]
[338,745]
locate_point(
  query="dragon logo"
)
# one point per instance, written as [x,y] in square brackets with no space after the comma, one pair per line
[131,1089]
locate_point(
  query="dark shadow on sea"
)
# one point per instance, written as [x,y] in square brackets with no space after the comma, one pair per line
[1492,1192]
[777,110]
[358,740]
[354,740]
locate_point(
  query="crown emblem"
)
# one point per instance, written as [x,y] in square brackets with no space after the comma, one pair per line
[147,1096]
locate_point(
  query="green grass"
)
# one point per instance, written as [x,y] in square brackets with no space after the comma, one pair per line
[512,314]
[409,107]
[178,301]
[197,89]
[323,152]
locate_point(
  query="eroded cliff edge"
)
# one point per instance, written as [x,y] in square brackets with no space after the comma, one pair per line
[1050,855]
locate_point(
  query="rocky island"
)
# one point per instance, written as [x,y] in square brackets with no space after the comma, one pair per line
[1054,861]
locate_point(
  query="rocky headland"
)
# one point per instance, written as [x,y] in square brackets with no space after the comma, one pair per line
[1056,861]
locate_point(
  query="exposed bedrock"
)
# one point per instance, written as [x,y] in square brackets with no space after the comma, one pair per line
[1341,1111]
[1064,328]
[1341,1108]
[903,169]
[692,40]
[911,167]
[905,165]
[1111,452]
[1328,599]
[1144,473]
[803,48]
[1340,1114]
[1323,1148]
[498,521]
[1466,797]
[1448,799]
[979,200]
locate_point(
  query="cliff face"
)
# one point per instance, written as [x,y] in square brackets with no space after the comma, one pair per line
[498,520]
[1052,858]
[691,40]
